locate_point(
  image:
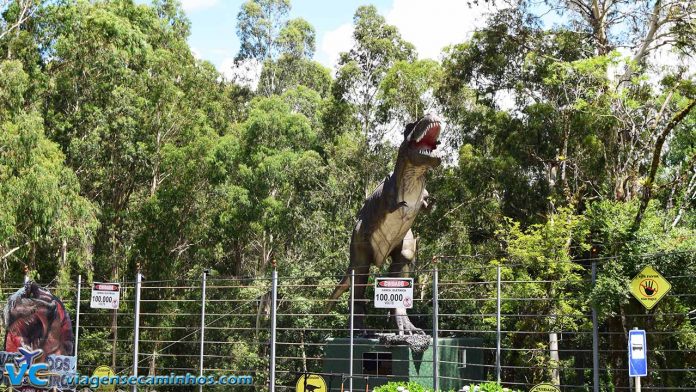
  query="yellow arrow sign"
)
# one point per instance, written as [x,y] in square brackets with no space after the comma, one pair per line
[649,287]
[313,383]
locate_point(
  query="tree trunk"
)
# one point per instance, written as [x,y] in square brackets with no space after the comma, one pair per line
[303,351]
[114,316]
[554,359]
[655,163]
[155,166]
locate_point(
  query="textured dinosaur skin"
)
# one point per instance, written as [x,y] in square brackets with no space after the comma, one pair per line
[36,319]
[383,227]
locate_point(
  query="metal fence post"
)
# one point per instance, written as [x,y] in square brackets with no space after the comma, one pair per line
[77,317]
[351,326]
[205,278]
[595,337]
[436,311]
[497,327]
[274,304]
[136,333]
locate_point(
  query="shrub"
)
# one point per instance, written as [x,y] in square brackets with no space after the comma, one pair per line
[411,386]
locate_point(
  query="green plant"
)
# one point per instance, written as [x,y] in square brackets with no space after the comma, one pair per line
[490,387]
[410,386]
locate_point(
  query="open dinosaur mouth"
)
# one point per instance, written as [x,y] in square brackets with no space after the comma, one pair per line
[428,140]
[37,319]
[27,331]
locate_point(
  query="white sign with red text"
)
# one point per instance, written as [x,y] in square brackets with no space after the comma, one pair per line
[105,295]
[394,293]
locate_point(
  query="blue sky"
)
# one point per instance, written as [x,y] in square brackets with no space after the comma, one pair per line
[213,34]
[213,24]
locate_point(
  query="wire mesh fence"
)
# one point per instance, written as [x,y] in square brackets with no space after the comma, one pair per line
[520,324]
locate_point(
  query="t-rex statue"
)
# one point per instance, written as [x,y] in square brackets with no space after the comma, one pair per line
[383,226]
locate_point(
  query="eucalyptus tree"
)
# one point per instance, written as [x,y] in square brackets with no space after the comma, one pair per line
[554,117]
[377,47]
[594,136]
[283,47]
[126,92]
[407,90]
[46,225]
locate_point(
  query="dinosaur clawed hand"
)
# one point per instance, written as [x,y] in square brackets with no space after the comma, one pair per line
[396,206]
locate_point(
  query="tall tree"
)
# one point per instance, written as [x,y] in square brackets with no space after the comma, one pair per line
[378,46]
[282,47]
[259,25]
[407,90]
[46,226]
[118,114]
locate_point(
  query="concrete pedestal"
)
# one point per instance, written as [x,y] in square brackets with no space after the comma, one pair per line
[377,364]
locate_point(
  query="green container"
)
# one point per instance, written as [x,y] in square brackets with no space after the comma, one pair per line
[461,360]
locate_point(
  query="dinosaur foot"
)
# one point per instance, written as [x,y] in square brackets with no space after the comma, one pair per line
[404,324]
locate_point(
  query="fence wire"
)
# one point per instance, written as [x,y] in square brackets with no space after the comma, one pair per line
[539,329]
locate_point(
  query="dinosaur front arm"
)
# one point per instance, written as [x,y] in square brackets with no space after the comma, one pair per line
[426,204]
[391,193]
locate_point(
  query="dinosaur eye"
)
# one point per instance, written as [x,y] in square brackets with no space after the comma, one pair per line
[409,129]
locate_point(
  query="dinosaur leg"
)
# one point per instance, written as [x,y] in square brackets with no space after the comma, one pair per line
[401,259]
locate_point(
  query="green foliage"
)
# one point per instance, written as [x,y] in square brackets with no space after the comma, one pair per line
[406,92]
[42,212]
[540,258]
[411,386]
[259,24]
[416,387]
[289,72]
[283,47]
[118,148]
[378,46]
[490,387]
[297,39]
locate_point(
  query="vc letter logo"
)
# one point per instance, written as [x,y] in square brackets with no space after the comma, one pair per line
[27,368]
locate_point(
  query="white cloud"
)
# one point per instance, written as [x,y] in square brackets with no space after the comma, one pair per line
[246,74]
[663,61]
[667,58]
[194,5]
[431,25]
[334,42]
[196,53]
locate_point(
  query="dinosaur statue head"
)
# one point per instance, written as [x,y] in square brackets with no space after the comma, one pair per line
[36,319]
[420,141]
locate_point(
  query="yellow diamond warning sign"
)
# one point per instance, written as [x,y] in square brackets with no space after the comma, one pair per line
[311,383]
[649,287]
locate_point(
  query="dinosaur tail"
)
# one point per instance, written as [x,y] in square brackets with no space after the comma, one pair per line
[341,288]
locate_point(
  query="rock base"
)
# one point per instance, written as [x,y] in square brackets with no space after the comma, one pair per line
[417,343]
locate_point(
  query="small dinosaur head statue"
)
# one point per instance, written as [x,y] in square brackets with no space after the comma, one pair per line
[420,141]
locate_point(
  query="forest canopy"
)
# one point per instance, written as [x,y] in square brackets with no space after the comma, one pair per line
[119,149]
